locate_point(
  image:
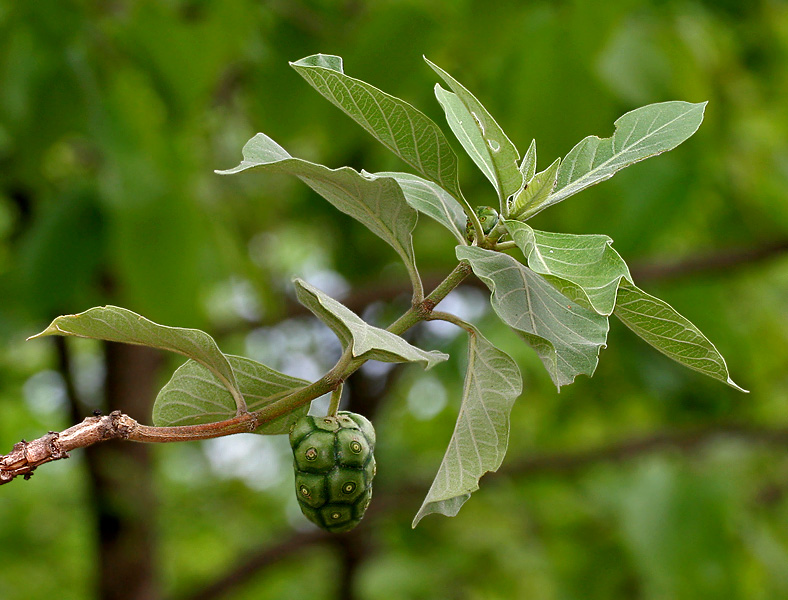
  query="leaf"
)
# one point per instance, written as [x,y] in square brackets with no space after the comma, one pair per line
[364,340]
[481,435]
[431,199]
[587,269]
[403,129]
[658,323]
[376,202]
[502,154]
[584,268]
[194,396]
[639,134]
[528,166]
[467,133]
[116,324]
[566,336]
[535,191]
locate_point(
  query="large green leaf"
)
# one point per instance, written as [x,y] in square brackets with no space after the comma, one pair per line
[565,335]
[432,200]
[377,202]
[194,396]
[364,340]
[639,134]
[116,324]
[660,325]
[502,155]
[481,435]
[403,129]
[585,268]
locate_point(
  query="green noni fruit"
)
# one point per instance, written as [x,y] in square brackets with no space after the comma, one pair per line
[488,218]
[334,466]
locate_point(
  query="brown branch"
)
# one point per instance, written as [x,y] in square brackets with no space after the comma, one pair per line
[709,262]
[26,456]
[684,441]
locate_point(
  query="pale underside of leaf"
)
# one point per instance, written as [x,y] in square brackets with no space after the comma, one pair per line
[639,134]
[659,324]
[567,336]
[115,324]
[481,434]
[405,130]
[376,202]
[585,268]
[429,198]
[194,396]
[503,156]
[364,340]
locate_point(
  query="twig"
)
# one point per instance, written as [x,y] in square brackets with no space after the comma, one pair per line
[685,441]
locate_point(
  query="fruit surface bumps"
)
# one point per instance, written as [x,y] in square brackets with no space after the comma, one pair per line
[334,465]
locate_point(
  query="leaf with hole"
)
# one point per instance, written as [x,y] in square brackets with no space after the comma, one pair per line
[501,155]
[481,434]
[467,132]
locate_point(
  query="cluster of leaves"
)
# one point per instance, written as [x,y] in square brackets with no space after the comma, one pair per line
[556,291]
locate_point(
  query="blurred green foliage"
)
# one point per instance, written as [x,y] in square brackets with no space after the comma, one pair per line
[113,116]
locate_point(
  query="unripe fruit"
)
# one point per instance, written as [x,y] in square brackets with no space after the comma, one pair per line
[488,218]
[334,466]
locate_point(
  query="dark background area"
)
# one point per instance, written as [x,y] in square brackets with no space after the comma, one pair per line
[647,481]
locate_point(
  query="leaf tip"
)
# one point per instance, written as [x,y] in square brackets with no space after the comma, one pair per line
[736,386]
[52,329]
